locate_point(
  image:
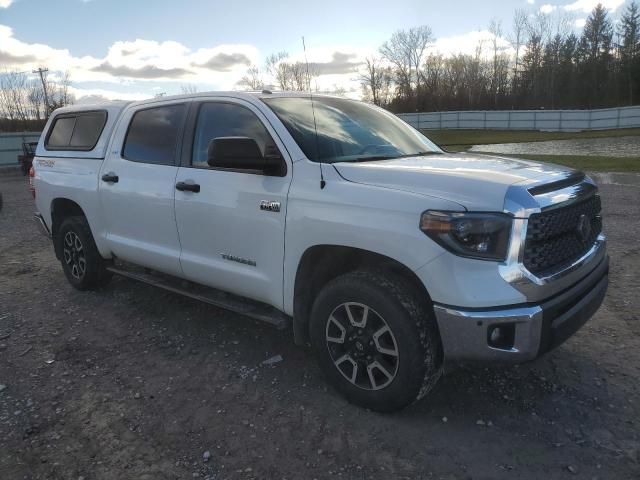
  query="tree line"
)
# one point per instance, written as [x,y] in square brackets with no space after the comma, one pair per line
[545,65]
[25,102]
[540,63]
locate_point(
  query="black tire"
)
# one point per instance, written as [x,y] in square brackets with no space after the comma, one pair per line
[415,339]
[81,262]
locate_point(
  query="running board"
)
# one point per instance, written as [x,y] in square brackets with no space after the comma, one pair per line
[243,306]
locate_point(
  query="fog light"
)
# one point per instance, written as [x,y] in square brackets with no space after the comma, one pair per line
[502,336]
[496,335]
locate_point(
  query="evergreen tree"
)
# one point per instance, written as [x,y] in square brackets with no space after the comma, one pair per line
[595,56]
[531,71]
[567,78]
[551,65]
[629,32]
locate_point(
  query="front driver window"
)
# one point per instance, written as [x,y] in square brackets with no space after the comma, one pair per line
[226,120]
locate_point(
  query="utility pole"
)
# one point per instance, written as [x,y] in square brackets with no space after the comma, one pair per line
[41,71]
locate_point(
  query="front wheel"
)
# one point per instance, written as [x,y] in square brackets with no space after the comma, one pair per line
[82,264]
[376,340]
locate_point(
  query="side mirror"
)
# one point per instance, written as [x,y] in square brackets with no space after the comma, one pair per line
[243,153]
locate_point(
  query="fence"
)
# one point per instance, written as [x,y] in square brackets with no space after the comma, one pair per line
[11,146]
[551,120]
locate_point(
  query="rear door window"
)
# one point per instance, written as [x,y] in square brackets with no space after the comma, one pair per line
[153,135]
[77,131]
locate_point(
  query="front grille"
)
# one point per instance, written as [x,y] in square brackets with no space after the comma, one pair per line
[555,238]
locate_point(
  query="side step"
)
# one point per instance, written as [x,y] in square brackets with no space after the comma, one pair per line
[243,306]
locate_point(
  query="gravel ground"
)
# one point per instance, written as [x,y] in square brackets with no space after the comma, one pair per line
[134,383]
[611,146]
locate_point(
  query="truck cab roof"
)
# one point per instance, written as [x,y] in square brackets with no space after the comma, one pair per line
[114,109]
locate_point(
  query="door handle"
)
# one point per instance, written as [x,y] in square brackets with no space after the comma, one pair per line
[188,187]
[110,178]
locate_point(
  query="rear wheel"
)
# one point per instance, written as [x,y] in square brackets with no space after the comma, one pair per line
[376,340]
[82,264]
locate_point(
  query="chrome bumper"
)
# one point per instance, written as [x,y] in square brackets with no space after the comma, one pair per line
[41,223]
[532,329]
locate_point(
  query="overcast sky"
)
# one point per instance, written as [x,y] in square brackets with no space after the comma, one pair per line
[132,49]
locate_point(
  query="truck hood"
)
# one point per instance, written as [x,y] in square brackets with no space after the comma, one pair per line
[475,181]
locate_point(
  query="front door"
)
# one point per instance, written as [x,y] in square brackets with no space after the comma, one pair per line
[137,185]
[232,229]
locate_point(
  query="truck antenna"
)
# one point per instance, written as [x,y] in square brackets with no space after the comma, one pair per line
[313,110]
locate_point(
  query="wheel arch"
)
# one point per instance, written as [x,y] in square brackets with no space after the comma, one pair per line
[62,208]
[320,264]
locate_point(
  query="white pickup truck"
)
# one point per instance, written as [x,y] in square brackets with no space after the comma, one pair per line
[386,254]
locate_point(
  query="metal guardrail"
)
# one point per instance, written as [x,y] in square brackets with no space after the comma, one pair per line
[550,120]
[11,146]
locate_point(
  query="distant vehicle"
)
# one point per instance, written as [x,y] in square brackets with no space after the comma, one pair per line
[387,254]
[28,152]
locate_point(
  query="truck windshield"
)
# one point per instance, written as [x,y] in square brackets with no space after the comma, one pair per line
[347,130]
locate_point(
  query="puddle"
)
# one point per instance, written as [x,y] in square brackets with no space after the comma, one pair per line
[614,146]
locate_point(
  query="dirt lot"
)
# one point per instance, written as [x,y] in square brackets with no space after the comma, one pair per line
[132,382]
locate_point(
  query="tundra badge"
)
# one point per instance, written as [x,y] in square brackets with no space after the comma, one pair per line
[270,206]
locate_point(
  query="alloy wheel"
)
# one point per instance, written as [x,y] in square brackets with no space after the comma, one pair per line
[73,253]
[362,346]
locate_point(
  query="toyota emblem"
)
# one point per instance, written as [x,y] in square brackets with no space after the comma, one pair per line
[584,227]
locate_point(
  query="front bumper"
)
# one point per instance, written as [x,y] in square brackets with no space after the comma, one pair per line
[533,328]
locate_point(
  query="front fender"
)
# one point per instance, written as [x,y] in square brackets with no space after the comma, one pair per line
[380,220]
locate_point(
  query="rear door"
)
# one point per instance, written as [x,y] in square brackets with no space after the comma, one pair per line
[137,185]
[232,229]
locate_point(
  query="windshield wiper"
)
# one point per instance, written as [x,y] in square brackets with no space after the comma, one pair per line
[393,157]
[373,157]
[421,154]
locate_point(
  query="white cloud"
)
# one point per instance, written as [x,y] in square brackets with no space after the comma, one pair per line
[131,70]
[469,43]
[97,95]
[137,67]
[5,3]
[587,6]
[580,22]
[139,60]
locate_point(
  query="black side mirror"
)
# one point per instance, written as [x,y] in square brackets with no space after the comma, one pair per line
[243,153]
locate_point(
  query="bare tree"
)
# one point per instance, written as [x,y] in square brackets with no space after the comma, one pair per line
[58,92]
[36,100]
[252,80]
[500,62]
[300,77]
[334,90]
[276,66]
[373,77]
[14,95]
[23,99]
[433,73]
[295,76]
[518,38]
[188,89]
[540,25]
[406,51]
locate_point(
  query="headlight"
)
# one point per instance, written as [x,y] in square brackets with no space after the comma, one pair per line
[477,235]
